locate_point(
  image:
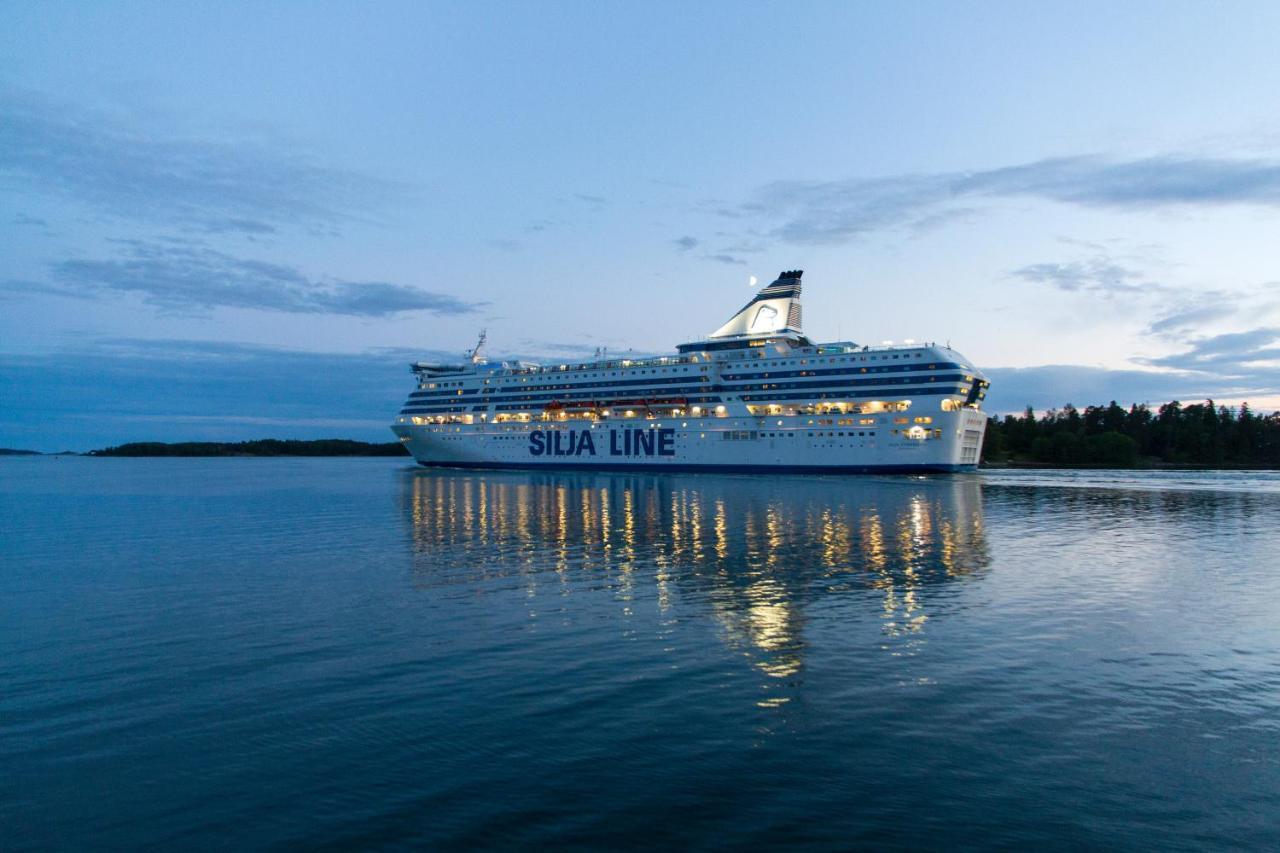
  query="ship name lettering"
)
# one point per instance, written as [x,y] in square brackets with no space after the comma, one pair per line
[622,442]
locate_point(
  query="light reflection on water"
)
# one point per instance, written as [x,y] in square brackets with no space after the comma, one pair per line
[361,654]
[743,548]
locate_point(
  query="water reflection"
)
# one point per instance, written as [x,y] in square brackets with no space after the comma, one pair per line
[754,553]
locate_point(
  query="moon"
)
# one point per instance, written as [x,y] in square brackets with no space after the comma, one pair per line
[752,281]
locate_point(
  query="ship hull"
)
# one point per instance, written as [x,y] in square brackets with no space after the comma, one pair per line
[755,446]
[926,468]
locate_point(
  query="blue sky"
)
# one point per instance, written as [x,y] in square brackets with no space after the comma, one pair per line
[241,220]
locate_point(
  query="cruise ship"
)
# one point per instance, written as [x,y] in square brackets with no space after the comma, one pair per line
[756,395]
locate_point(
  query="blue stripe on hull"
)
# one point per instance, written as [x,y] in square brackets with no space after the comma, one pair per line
[712,469]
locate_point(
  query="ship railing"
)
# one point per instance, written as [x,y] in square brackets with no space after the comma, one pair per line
[611,364]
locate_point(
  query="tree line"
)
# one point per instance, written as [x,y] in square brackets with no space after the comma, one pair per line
[1200,434]
[261,447]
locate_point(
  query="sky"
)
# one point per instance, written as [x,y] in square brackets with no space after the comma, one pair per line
[241,220]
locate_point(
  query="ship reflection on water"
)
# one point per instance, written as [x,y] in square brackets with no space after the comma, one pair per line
[756,554]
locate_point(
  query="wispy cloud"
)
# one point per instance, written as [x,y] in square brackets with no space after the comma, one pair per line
[1177,312]
[1052,386]
[115,166]
[1182,320]
[1254,354]
[686,243]
[1099,275]
[1240,366]
[185,278]
[819,212]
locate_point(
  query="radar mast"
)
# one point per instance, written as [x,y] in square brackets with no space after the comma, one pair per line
[476,355]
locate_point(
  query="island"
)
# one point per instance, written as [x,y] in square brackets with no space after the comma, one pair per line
[259,447]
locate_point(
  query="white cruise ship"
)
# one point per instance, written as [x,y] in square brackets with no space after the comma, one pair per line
[755,396]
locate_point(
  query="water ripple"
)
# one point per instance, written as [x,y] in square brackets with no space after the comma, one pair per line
[355,653]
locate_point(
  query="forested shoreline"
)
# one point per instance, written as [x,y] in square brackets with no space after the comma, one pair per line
[1199,435]
[260,447]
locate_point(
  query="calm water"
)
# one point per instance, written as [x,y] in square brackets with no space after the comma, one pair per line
[353,653]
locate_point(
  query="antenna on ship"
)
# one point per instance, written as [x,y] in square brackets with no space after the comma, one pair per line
[474,354]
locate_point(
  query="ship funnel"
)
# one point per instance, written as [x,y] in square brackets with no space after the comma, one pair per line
[775,309]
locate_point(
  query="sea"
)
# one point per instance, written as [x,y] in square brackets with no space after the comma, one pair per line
[358,654]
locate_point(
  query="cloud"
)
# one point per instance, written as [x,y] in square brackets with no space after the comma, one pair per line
[591,199]
[725,259]
[686,243]
[817,212]
[745,248]
[1184,320]
[242,226]
[113,165]
[14,289]
[185,278]
[115,390]
[1177,312]
[1145,183]
[1097,275]
[1052,386]
[1252,355]
[1232,366]
[1238,366]
[23,219]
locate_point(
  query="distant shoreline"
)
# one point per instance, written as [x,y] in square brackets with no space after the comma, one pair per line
[1085,466]
[336,448]
[269,447]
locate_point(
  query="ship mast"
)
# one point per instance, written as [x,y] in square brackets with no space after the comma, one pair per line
[475,354]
